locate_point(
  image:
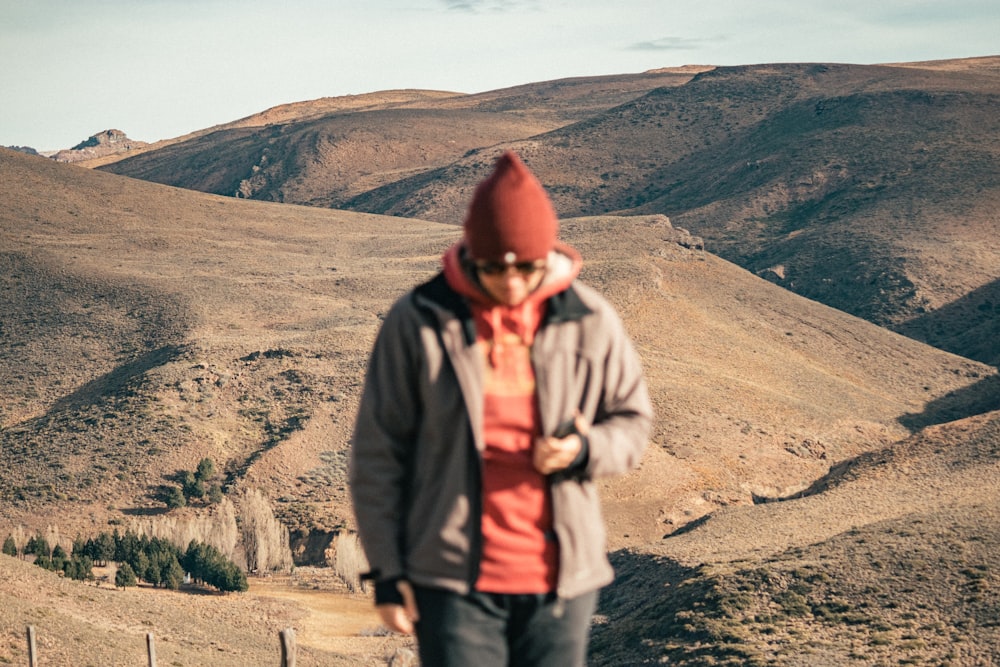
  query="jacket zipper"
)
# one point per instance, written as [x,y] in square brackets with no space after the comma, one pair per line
[476,512]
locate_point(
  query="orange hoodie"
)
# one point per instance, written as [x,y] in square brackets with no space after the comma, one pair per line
[519,553]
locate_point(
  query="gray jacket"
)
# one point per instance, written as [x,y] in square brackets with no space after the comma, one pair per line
[416,450]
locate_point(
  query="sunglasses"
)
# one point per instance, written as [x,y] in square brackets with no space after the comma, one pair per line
[500,268]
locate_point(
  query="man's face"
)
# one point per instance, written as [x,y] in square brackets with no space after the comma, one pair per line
[510,284]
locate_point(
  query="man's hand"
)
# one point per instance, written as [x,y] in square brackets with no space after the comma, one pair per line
[400,617]
[553,454]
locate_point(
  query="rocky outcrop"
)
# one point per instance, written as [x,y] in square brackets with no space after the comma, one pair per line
[108,142]
[678,235]
[310,547]
[24,149]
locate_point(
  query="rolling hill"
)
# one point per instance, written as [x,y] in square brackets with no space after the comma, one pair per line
[818,489]
[871,188]
[890,558]
[149,327]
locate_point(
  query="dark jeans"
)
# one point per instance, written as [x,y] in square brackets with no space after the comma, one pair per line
[497,630]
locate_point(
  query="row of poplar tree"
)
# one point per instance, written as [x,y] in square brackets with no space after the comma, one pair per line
[155,560]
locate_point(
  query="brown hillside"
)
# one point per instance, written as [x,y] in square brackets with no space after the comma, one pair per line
[148,327]
[890,559]
[292,112]
[326,161]
[81,624]
[869,188]
[175,325]
[326,152]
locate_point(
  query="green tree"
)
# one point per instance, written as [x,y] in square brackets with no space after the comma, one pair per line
[89,548]
[232,579]
[206,564]
[125,576]
[79,546]
[193,486]
[140,564]
[174,497]
[105,551]
[127,546]
[37,546]
[152,573]
[59,558]
[215,494]
[171,572]
[9,546]
[195,560]
[206,469]
[79,567]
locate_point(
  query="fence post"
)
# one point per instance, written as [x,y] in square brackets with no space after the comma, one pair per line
[32,648]
[151,649]
[288,647]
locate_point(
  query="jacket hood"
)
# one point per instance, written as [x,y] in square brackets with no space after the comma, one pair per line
[564,264]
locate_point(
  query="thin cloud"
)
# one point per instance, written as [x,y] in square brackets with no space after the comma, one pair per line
[475,6]
[893,13]
[669,44]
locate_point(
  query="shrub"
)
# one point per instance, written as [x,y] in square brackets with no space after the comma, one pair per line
[174,497]
[37,546]
[215,495]
[349,561]
[9,546]
[125,576]
[206,469]
[79,567]
[191,486]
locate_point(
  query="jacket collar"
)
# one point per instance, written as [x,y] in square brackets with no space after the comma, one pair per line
[564,306]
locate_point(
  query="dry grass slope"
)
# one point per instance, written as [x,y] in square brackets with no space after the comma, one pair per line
[148,327]
[872,189]
[88,626]
[888,559]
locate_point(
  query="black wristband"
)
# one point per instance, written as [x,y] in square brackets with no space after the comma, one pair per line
[583,456]
[387,591]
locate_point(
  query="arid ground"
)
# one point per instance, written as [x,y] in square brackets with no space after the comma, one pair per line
[819,489]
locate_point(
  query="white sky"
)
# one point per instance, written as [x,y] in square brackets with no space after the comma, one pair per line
[158,69]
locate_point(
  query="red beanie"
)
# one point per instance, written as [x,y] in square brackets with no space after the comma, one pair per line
[510,219]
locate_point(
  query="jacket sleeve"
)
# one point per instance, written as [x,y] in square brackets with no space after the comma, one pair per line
[384,432]
[623,418]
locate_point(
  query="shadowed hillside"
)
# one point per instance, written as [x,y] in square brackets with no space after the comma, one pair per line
[245,328]
[889,559]
[869,188]
[969,325]
[153,326]
[872,189]
[328,151]
[99,626]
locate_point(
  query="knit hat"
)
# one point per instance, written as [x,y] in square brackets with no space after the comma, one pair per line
[510,218]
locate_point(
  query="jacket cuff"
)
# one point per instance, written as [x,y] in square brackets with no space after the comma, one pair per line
[387,592]
[583,456]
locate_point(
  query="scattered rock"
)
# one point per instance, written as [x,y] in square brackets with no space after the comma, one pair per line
[108,142]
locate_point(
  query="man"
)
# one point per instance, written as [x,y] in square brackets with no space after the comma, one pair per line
[495,393]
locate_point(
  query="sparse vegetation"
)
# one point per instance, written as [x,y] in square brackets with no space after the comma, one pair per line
[161,563]
[830,599]
[146,328]
[125,576]
[197,485]
[264,538]
[349,561]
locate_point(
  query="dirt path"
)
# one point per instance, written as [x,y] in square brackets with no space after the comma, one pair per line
[337,622]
